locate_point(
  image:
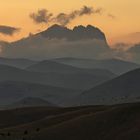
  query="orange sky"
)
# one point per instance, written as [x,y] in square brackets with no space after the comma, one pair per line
[16,13]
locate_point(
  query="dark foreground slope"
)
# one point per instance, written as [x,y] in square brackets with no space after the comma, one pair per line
[21,116]
[32,117]
[119,122]
[125,88]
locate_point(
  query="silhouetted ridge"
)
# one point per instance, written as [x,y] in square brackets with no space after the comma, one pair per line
[19,63]
[95,32]
[31,101]
[77,33]
[123,89]
[57,31]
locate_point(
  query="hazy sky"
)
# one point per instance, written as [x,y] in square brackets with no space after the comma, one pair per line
[119,18]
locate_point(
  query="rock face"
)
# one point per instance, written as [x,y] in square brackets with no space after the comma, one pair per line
[77,33]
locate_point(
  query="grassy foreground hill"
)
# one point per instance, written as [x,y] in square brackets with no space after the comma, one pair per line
[119,122]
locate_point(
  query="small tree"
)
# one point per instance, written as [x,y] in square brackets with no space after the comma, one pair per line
[38,129]
[8,134]
[25,132]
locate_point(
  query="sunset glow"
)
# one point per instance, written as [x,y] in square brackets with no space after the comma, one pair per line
[118,18]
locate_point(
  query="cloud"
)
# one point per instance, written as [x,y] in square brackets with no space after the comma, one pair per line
[129,52]
[134,51]
[8,30]
[135,48]
[64,19]
[122,46]
[42,16]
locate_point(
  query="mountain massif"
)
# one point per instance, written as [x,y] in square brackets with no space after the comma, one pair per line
[59,41]
[77,33]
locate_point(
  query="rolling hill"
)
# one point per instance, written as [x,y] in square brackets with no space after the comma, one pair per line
[124,88]
[78,81]
[48,66]
[11,92]
[19,63]
[114,65]
[27,116]
[117,123]
[92,122]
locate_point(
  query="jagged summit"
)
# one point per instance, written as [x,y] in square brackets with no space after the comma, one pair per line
[59,41]
[57,31]
[79,28]
[77,33]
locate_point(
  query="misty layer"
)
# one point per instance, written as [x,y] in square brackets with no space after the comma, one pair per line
[8,30]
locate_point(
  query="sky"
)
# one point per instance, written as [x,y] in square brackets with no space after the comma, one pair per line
[119,20]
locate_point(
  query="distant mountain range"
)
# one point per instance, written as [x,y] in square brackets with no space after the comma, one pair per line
[81,80]
[69,81]
[19,63]
[122,89]
[50,66]
[115,65]
[69,64]
[16,92]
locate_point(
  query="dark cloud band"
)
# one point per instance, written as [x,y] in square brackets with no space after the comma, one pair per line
[44,16]
[8,30]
